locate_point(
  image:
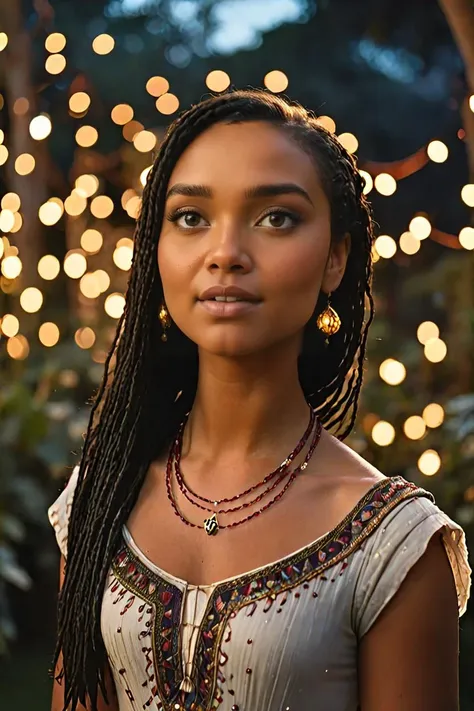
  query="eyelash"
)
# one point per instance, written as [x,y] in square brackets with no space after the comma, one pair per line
[297,219]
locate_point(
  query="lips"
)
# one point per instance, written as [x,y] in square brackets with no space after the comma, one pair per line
[228,294]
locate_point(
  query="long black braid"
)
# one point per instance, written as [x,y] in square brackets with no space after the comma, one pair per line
[148,385]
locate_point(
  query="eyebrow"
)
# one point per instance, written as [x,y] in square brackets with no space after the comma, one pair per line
[259,191]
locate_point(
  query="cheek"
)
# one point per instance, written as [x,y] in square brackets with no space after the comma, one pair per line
[297,274]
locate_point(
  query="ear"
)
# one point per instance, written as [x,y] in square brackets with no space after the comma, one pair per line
[336,264]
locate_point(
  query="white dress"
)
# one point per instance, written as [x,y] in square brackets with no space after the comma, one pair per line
[282,637]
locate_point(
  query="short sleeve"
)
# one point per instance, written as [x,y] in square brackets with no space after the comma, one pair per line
[60,510]
[393,549]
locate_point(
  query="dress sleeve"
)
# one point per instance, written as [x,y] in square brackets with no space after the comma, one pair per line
[60,510]
[393,549]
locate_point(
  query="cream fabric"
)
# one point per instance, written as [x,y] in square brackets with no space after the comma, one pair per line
[238,645]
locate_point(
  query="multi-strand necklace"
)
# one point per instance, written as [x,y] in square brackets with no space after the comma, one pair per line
[211,524]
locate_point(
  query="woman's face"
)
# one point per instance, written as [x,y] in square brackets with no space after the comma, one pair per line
[246,217]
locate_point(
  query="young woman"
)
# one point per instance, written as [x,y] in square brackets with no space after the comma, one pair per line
[225,550]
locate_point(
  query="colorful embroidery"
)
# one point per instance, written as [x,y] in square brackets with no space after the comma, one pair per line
[229,597]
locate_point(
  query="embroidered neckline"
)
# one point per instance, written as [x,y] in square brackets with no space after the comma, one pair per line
[231,595]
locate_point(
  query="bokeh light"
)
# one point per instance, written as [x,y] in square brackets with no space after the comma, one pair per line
[31,299]
[3,40]
[385,184]
[409,243]
[75,264]
[144,175]
[7,220]
[103,44]
[131,129]
[55,63]
[18,223]
[156,86]
[121,114]
[50,212]
[414,427]
[435,350]
[55,42]
[18,347]
[467,194]
[40,127]
[327,122]
[167,104]
[426,331]
[103,279]
[420,227]
[11,267]
[114,305]
[429,463]
[91,241]
[79,102]
[386,246]
[86,136]
[383,433]
[433,415]
[437,151]
[102,206]
[3,154]
[49,267]
[392,371]
[25,164]
[9,325]
[369,183]
[75,204]
[21,106]
[133,207]
[90,285]
[349,141]
[11,201]
[86,185]
[123,257]
[466,238]
[144,141]
[85,337]
[217,80]
[276,81]
[48,334]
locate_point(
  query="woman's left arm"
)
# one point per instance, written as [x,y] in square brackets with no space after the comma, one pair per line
[408,659]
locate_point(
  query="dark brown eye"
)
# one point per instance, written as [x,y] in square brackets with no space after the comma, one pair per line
[191,219]
[279,220]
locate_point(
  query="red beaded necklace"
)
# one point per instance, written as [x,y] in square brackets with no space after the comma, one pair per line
[211,524]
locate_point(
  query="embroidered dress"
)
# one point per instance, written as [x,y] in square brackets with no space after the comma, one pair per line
[282,637]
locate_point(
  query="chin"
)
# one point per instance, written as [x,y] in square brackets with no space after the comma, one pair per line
[231,347]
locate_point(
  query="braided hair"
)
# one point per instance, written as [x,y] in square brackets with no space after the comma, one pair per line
[148,385]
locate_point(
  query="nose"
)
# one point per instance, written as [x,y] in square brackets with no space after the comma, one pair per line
[228,249]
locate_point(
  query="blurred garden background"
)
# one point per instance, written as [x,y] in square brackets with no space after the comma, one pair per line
[87,88]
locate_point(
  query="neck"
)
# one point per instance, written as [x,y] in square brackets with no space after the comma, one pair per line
[244,407]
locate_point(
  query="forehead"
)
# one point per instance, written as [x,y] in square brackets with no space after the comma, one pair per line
[245,154]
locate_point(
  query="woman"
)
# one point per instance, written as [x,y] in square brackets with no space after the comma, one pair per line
[202,573]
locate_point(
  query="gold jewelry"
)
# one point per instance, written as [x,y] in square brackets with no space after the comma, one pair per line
[328,321]
[165,319]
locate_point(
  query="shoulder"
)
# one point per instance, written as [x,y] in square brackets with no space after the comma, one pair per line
[60,511]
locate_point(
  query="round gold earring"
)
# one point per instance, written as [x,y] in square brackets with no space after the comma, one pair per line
[165,319]
[328,321]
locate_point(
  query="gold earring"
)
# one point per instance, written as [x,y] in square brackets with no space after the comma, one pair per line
[165,321]
[328,321]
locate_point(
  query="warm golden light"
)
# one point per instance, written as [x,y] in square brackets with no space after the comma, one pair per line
[11,201]
[414,427]
[122,257]
[51,212]
[392,371]
[48,334]
[9,325]
[3,154]
[385,184]
[31,299]
[125,242]
[75,264]
[420,227]
[86,136]
[75,204]
[127,195]
[49,267]
[21,106]
[18,347]
[7,220]
[90,285]
[144,141]
[40,127]
[103,279]
[467,194]
[103,44]
[144,175]
[437,151]
[18,223]
[133,207]
[386,246]
[102,206]
[11,267]
[427,331]
[435,350]
[3,41]
[55,42]
[91,241]
[433,415]
[2,248]
[79,102]
[349,141]
[327,122]
[156,86]
[429,463]
[383,433]
[218,81]
[86,185]
[84,337]
[55,63]
[369,183]
[466,237]
[121,114]
[276,81]
[167,104]
[114,305]
[25,164]
[131,129]
[409,243]
[2,136]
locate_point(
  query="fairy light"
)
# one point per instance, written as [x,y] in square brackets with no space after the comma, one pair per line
[122,257]
[31,299]
[49,267]
[55,42]
[167,104]
[86,185]
[466,237]
[125,242]
[392,371]
[114,305]
[429,463]
[383,433]
[217,80]
[85,337]
[55,63]
[420,227]
[414,427]
[51,211]
[131,129]
[2,248]
[427,331]
[86,136]
[471,102]
[18,347]
[11,267]
[433,415]
[75,204]
[121,114]
[10,325]
[18,224]
[48,334]
[11,201]
[102,206]
[7,220]
[90,285]
[91,241]
[156,86]
[40,127]
[144,141]
[467,194]
[25,164]
[2,136]
[369,183]
[437,151]
[386,246]
[327,122]
[385,184]
[103,44]
[79,102]
[435,350]
[127,195]
[133,207]
[409,243]
[276,81]
[75,264]
[21,106]
[3,40]
[3,154]
[103,279]
[144,175]
[349,141]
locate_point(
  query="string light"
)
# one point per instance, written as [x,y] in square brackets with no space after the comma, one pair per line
[415,427]
[121,114]
[18,223]
[3,154]
[383,433]
[75,264]
[409,243]
[420,227]
[103,44]
[122,257]
[276,81]
[86,136]
[429,463]
[133,207]
[369,183]
[55,63]
[11,267]
[327,122]
[75,204]
[85,337]
[435,350]
[217,80]
[167,104]
[49,267]
[437,151]
[2,248]
[433,415]
[90,285]
[9,325]
[40,127]
[48,334]
[427,331]
[130,130]
[7,220]
[11,201]
[86,185]
[467,194]
[91,241]
[25,164]
[18,347]
[392,371]
[114,305]
[471,102]
[385,184]
[79,102]
[103,279]
[127,195]
[349,141]
[55,42]
[102,206]
[156,86]
[466,237]
[144,175]
[386,246]
[3,41]
[144,141]
[125,242]
[2,136]
[31,299]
